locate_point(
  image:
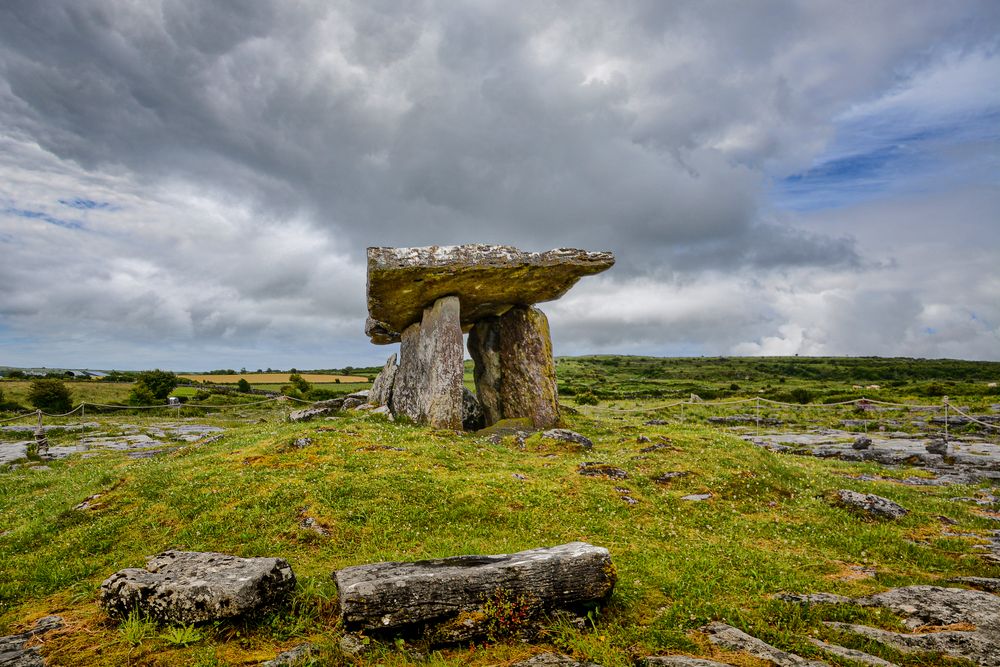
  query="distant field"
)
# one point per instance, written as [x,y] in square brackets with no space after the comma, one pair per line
[273,378]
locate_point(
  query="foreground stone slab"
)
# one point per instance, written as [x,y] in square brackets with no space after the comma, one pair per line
[553,660]
[13,649]
[431,596]
[488,280]
[193,587]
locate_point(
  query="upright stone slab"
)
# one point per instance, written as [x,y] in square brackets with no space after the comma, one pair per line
[405,398]
[428,384]
[527,370]
[484,347]
[381,390]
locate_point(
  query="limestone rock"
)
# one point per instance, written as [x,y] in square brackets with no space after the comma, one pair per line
[193,587]
[381,390]
[850,653]
[733,639]
[678,661]
[861,443]
[484,348]
[519,428]
[983,583]
[569,439]
[870,504]
[934,605]
[13,651]
[553,660]
[980,648]
[600,469]
[297,655]
[527,370]
[425,595]
[428,385]
[472,411]
[487,279]
[316,410]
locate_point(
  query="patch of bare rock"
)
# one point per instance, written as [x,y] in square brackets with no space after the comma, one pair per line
[958,622]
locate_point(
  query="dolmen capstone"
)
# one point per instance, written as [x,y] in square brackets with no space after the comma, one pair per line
[427,298]
[447,600]
[194,587]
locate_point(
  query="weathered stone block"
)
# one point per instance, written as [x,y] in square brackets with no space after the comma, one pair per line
[193,587]
[381,390]
[527,370]
[426,595]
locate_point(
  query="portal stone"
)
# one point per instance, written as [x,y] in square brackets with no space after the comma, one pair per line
[428,385]
[484,348]
[381,390]
[527,370]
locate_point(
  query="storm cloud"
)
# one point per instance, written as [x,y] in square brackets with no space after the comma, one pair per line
[192,185]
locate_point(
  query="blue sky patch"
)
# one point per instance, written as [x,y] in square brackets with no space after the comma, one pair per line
[86,204]
[44,217]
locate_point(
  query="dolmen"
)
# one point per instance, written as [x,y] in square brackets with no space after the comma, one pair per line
[427,298]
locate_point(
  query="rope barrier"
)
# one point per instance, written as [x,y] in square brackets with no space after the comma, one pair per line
[973,419]
[854,401]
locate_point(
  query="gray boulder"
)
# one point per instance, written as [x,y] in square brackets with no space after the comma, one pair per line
[193,587]
[871,505]
[297,655]
[861,443]
[444,598]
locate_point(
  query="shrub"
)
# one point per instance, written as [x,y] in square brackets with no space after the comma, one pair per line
[159,383]
[243,386]
[50,395]
[141,395]
[586,397]
[801,395]
[299,383]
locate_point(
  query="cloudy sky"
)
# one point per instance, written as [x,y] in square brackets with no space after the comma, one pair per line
[192,185]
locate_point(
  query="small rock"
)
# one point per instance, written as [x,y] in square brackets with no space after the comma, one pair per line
[88,503]
[312,524]
[309,414]
[302,443]
[657,422]
[383,411]
[813,598]
[862,442]
[982,583]
[870,504]
[351,402]
[293,656]
[518,476]
[569,437]
[353,645]
[643,439]
[667,477]
[697,497]
[937,446]
[193,587]
[598,469]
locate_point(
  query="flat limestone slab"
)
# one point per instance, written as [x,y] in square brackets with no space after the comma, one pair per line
[487,279]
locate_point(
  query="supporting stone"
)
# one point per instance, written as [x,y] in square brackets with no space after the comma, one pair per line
[428,384]
[484,348]
[527,370]
[381,390]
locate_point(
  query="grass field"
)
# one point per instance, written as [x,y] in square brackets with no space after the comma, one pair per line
[273,378]
[769,527]
[84,390]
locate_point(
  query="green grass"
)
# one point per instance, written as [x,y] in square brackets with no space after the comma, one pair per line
[769,527]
